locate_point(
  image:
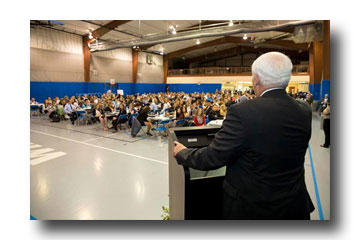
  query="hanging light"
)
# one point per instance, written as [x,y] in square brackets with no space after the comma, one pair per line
[231,23]
[134,47]
[90,34]
[173,31]
[197,41]
[244,37]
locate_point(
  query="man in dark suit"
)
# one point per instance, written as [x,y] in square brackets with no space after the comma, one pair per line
[263,143]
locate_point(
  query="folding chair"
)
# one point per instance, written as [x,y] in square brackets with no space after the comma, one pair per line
[34,110]
[122,116]
[81,115]
[162,127]
[180,123]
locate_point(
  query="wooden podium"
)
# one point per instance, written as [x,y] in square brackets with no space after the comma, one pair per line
[194,194]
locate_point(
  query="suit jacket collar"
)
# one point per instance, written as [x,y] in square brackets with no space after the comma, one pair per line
[275,93]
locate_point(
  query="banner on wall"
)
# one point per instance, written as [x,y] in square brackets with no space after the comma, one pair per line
[120,91]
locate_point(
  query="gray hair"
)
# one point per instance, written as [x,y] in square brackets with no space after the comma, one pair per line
[273,68]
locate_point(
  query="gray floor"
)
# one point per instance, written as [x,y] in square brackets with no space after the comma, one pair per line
[83,172]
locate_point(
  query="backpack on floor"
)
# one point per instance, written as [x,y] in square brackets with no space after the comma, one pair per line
[135,127]
[55,118]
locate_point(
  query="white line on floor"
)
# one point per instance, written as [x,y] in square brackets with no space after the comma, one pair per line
[100,137]
[108,149]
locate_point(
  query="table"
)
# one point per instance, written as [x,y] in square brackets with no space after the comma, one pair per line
[217,122]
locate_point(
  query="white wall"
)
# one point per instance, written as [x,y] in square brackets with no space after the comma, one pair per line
[55,56]
[115,64]
[153,73]
[55,40]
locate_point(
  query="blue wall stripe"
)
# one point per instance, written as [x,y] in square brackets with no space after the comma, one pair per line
[315,90]
[32,218]
[325,88]
[42,90]
[316,187]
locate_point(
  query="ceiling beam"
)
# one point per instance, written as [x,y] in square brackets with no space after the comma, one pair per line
[289,44]
[215,42]
[108,27]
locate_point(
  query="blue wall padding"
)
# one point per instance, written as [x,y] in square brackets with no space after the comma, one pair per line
[190,88]
[315,90]
[325,88]
[149,88]
[42,90]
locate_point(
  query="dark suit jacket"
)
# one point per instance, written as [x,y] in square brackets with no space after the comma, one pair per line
[262,143]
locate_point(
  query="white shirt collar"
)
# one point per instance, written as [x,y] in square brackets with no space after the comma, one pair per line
[268,90]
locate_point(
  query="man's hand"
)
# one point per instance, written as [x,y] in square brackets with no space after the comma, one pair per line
[178,147]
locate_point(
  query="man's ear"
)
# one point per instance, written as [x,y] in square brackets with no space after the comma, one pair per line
[256,80]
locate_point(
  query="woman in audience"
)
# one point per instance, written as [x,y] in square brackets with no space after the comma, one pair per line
[143,119]
[199,118]
[179,113]
[116,120]
[100,115]
[223,110]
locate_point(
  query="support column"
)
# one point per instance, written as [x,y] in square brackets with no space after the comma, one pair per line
[86,55]
[135,62]
[166,68]
[315,68]
[325,80]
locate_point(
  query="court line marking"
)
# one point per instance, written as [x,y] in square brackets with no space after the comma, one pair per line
[100,137]
[104,148]
[321,215]
[73,130]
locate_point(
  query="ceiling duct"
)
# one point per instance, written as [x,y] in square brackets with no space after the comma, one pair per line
[264,26]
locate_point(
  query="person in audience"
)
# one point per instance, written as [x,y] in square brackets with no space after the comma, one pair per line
[47,106]
[326,126]
[116,120]
[179,114]
[324,102]
[86,104]
[70,110]
[208,107]
[199,118]
[100,115]
[153,106]
[193,110]
[223,110]
[143,119]
[32,101]
[214,113]
[309,98]
[185,112]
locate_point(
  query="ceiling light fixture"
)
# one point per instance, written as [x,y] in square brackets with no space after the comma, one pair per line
[90,34]
[231,23]
[173,31]
[245,37]
[134,47]
[197,41]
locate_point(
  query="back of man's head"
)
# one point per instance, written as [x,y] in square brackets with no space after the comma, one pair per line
[273,69]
